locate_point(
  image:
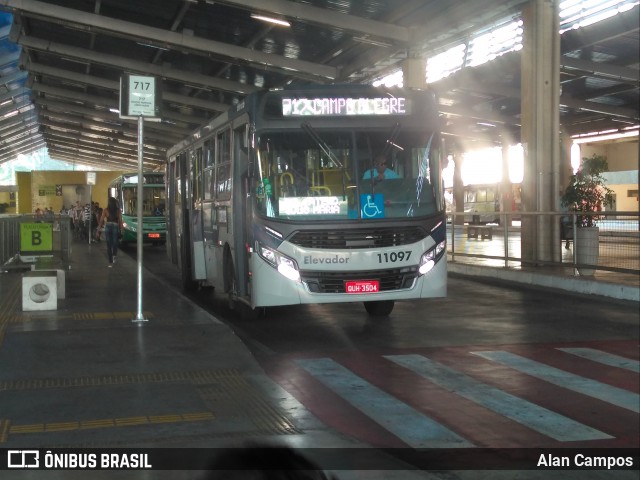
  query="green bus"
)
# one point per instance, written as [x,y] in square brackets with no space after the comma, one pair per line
[125,190]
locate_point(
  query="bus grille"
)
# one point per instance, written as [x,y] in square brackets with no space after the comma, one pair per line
[333,282]
[360,238]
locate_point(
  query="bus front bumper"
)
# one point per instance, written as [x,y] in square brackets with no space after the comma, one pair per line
[279,290]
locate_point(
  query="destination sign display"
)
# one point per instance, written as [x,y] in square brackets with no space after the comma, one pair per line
[312,206]
[147,179]
[343,106]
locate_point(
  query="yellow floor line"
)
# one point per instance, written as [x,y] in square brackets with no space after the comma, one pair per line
[6,428]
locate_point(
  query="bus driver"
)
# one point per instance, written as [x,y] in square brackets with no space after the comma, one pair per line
[380,171]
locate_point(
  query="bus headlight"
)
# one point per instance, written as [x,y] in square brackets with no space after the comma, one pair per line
[429,259]
[285,265]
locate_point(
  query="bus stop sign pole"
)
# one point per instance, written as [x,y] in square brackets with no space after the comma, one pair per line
[140,97]
[139,315]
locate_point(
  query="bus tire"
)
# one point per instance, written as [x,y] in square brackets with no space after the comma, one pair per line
[252,314]
[379,309]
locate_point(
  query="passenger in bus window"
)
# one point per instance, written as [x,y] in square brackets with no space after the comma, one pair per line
[381,171]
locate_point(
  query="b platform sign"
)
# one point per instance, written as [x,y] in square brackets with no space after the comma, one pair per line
[36,238]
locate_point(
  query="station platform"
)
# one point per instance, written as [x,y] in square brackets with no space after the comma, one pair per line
[88,374]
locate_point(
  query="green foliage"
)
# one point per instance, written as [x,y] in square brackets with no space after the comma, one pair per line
[587,191]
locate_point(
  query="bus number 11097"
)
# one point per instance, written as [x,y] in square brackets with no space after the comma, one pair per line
[394,256]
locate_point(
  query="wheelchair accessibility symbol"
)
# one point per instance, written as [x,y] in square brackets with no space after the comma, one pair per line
[372,205]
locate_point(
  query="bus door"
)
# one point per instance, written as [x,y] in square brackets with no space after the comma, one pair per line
[171,176]
[198,270]
[209,224]
[180,215]
[223,251]
[241,198]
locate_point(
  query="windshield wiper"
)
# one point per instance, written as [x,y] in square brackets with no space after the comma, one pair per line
[322,144]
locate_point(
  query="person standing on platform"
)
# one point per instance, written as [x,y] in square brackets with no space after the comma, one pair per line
[111,220]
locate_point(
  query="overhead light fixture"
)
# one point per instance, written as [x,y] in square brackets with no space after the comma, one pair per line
[371,41]
[153,46]
[601,137]
[11,113]
[276,21]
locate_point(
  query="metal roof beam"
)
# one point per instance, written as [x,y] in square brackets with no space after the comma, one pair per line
[187,121]
[90,21]
[14,94]
[93,139]
[103,163]
[8,58]
[73,122]
[17,145]
[602,70]
[60,140]
[13,77]
[108,116]
[8,156]
[18,136]
[322,16]
[19,127]
[116,160]
[20,119]
[70,145]
[599,107]
[121,63]
[105,138]
[114,86]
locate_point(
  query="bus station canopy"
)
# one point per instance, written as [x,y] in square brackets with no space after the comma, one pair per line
[61,62]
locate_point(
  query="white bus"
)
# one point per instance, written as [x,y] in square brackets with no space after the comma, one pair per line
[276,201]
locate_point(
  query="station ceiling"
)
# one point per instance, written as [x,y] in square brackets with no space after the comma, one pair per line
[61,62]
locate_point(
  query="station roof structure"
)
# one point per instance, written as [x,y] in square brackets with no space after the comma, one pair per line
[61,62]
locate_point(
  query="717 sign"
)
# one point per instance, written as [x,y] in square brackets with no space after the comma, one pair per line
[141,86]
[142,92]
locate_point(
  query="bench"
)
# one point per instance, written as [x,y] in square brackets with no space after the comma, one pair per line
[484,231]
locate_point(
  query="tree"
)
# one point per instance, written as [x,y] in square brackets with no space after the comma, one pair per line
[587,191]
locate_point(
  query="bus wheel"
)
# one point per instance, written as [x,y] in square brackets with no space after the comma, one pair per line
[379,309]
[252,314]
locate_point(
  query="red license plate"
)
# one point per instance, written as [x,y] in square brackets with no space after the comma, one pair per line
[154,235]
[362,286]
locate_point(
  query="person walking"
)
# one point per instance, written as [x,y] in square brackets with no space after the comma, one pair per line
[111,220]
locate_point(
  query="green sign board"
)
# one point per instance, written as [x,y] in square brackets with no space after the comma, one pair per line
[36,237]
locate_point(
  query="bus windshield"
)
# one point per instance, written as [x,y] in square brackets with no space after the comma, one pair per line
[344,174]
[153,203]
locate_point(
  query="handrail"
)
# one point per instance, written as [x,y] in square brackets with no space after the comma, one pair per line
[10,235]
[618,248]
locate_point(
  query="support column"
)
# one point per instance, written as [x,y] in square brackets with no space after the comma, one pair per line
[540,70]
[458,187]
[506,190]
[414,72]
